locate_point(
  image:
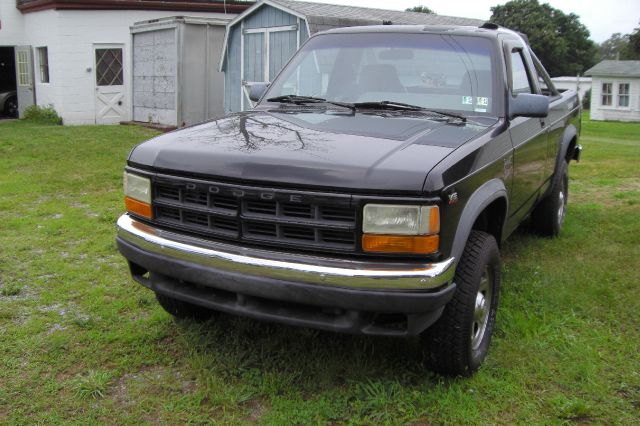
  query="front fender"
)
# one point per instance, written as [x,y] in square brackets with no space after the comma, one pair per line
[479,200]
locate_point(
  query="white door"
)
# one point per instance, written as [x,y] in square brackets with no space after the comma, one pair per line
[24,78]
[110,107]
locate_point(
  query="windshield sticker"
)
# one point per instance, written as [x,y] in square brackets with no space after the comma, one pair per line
[467,100]
[480,109]
[482,101]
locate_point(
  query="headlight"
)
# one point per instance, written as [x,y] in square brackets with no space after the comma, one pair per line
[400,228]
[137,194]
[400,219]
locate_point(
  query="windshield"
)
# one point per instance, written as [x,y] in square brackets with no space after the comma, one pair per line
[444,72]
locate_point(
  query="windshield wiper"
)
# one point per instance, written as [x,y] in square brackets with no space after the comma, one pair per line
[387,105]
[400,106]
[300,100]
[295,99]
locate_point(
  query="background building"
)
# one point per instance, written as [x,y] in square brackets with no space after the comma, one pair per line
[580,84]
[615,93]
[77,54]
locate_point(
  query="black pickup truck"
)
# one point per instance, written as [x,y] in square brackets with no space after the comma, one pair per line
[368,190]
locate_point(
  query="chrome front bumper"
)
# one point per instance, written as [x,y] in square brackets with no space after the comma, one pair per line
[304,269]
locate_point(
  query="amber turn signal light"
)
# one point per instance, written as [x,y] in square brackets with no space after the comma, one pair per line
[418,244]
[138,207]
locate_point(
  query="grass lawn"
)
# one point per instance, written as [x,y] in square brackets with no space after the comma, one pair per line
[80,342]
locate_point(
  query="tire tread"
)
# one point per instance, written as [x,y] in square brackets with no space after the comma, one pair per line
[447,341]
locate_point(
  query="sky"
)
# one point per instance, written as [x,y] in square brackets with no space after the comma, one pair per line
[602,18]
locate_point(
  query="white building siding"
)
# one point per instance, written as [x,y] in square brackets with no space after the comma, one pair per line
[614,111]
[12,32]
[70,37]
[579,84]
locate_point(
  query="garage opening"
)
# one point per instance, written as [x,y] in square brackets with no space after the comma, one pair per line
[8,96]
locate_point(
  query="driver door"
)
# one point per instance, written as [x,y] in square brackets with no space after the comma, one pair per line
[528,135]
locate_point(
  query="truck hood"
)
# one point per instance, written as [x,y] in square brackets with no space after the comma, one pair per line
[381,151]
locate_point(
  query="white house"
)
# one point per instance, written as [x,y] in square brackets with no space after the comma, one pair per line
[615,93]
[77,54]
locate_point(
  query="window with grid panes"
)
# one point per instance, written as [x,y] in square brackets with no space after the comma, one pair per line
[43,64]
[623,94]
[607,91]
[109,67]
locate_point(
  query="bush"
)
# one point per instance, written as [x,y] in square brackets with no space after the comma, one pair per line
[42,115]
[586,100]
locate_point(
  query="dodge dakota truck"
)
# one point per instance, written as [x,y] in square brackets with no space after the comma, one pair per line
[367,191]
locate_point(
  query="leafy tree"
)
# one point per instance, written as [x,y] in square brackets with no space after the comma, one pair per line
[421,9]
[633,47]
[620,46]
[561,41]
[613,47]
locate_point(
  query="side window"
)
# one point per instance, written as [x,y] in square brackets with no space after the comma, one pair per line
[623,94]
[43,64]
[519,77]
[607,94]
[546,85]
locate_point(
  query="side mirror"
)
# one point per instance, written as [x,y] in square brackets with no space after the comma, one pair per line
[528,105]
[257,90]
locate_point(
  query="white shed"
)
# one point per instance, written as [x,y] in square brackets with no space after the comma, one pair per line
[615,93]
[578,84]
[176,81]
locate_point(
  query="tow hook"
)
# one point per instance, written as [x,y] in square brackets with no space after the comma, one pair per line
[577,151]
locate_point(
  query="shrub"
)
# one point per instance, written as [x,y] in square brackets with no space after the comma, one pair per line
[42,115]
[586,100]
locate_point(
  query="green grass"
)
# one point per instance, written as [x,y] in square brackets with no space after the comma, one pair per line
[80,342]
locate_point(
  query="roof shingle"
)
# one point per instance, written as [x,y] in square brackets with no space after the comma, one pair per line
[346,16]
[615,68]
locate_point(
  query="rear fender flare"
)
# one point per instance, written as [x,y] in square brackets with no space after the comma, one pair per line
[570,133]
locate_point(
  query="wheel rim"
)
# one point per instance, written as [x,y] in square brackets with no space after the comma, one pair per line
[12,108]
[562,205]
[482,308]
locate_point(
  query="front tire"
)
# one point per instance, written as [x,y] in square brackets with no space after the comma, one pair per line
[548,216]
[459,341]
[183,310]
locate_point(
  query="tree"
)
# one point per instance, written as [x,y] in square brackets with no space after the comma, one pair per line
[613,47]
[420,9]
[561,41]
[633,47]
[619,46]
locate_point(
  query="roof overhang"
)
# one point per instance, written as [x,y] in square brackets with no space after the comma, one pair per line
[178,6]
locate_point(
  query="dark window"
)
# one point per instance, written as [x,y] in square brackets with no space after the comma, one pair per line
[43,64]
[607,90]
[519,77]
[109,67]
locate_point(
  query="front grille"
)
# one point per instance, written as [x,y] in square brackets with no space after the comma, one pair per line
[261,216]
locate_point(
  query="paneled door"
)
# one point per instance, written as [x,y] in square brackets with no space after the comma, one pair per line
[24,78]
[110,90]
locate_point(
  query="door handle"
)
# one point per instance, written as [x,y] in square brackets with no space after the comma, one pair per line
[542,123]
